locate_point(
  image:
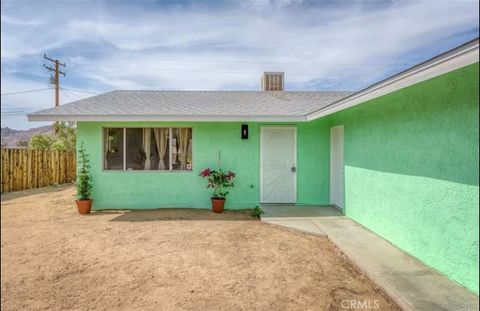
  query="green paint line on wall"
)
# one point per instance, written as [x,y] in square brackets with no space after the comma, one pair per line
[154,189]
[411,170]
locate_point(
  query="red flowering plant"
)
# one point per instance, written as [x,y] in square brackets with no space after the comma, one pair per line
[219,181]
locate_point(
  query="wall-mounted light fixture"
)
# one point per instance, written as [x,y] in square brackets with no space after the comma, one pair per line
[244,131]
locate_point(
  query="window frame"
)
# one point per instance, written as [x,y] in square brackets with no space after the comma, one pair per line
[124,142]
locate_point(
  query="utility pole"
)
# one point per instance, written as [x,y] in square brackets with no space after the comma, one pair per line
[56,76]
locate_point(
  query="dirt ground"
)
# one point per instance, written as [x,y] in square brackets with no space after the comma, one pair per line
[52,258]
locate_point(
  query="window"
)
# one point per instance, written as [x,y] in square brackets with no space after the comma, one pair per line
[151,149]
[181,149]
[113,149]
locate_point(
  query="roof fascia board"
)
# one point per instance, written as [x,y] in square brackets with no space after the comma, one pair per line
[449,61]
[166,118]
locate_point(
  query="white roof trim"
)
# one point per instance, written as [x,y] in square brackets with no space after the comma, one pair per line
[459,57]
[167,118]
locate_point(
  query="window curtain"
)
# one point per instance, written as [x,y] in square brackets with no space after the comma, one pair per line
[183,146]
[146,146]
[161,142]
[106,148]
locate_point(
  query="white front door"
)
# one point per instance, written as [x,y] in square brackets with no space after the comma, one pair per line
[336,167]
[278,180]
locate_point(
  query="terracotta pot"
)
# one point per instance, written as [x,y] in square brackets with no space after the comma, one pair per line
[217,205]
[84,206]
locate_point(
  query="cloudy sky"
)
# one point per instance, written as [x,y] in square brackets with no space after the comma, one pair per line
[216,45]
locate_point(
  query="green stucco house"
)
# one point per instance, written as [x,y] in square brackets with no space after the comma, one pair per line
[400,157]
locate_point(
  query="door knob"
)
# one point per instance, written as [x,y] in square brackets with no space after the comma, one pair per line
[294,169]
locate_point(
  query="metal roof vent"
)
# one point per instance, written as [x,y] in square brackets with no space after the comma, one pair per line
[273,81]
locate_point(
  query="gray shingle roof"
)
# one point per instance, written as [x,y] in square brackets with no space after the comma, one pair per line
[158,104]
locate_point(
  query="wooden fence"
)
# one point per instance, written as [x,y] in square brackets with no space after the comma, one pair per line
[31,168]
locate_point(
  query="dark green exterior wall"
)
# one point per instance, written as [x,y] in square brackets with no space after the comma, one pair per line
[412,170]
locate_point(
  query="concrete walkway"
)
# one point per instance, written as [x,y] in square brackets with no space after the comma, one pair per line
[413,285]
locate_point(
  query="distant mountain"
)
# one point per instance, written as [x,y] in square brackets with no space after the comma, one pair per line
[11,137]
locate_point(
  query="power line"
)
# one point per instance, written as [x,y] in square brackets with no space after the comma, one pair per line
[251,73]
[80,91]
[68,92]
[216,61]
[45,89]
[11,111]
[231,1]
[74,94]
[12,115]
[163,69]
[65,93]
[14,112]
[26,91]
[70,69]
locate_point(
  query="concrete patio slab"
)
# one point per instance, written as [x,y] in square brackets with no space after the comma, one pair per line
[413,285]
[296,212]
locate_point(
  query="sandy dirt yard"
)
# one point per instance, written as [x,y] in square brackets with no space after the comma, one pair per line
[53,258]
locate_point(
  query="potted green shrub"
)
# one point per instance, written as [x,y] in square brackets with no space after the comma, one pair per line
[219,181]
[84,183]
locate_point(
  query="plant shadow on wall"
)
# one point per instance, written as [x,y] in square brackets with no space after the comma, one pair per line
[429,129]
[220,181]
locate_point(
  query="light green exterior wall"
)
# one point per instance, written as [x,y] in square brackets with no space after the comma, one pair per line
[154,189]
[411,170]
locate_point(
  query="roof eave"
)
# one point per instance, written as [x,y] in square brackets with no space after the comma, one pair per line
[167,118]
